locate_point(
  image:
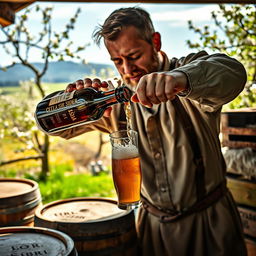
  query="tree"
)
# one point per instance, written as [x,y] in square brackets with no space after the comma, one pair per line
[17,123]
[19,43]
[235,36]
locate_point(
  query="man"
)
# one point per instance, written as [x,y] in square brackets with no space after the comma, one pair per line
[187,209]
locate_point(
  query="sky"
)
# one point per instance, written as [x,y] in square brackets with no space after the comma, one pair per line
[169,19]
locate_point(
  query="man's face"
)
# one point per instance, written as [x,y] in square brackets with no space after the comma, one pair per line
[132,56]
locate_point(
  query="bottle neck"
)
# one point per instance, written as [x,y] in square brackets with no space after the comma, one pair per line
[118,95]
[108,97]
[123,94]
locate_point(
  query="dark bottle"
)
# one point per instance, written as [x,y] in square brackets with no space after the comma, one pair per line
[63,110]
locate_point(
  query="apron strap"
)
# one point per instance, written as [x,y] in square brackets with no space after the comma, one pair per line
[188,127]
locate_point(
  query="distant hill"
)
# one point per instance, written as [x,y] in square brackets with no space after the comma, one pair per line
[57,72]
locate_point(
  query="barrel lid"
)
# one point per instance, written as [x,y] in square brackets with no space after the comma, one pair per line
[12,189]
[81,209]
[35,241]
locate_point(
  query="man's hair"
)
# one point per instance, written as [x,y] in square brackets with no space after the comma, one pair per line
[122,18]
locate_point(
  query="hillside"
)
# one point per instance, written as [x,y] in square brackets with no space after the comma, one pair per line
[63,71]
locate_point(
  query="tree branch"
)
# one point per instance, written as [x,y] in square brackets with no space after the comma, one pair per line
[21,159]
[37,142]
[9,66]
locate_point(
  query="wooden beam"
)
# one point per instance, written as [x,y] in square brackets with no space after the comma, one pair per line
[163,1]
[142,1]
[7,14]
[175,1]
[9,7]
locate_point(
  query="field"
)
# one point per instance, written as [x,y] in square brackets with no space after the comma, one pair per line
[71,162]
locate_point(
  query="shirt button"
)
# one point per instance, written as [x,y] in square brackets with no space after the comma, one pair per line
[163,189]
[157,155]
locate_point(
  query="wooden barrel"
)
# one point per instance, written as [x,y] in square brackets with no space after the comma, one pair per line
[19,198]
[29,241]
[96,225]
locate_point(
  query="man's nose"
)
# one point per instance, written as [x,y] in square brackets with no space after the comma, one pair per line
[127,67]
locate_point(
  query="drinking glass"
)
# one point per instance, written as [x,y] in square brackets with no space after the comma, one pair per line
[126,169]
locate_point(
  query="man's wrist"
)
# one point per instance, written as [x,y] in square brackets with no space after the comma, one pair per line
[186,86]
[185,92]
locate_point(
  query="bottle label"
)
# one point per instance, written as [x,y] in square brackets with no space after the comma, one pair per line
[60,98]
[60,105]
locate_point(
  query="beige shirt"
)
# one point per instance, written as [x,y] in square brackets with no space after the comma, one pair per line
[167,160]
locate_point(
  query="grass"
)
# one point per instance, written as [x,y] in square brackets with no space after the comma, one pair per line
[10,90]
[62,183]
[23,90]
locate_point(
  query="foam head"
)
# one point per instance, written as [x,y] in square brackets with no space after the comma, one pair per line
[124,152]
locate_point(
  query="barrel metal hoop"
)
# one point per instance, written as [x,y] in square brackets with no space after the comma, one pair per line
[117,250]
[22,222]
[103,236]
[21,208]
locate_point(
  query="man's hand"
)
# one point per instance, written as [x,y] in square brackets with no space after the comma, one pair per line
[159,87]
[95,83]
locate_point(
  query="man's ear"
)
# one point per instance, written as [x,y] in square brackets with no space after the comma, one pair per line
[156,38]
